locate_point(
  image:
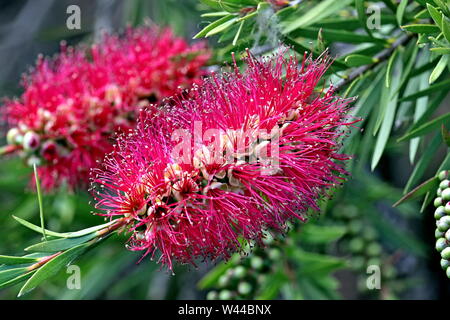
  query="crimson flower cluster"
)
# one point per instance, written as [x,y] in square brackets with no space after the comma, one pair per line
[241,154]
[73,103]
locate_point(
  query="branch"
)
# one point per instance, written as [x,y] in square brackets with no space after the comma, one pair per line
[380,57]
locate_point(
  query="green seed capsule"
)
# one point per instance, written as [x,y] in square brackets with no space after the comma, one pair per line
[225,295]
[441,244]
[439,192]
[444,184]
[274,254]
[447,208]
[438,234]
[446,194]
[445,254]
[443,175]
[374,261]
[438,202]
[356,245]
[256,263]
[244,288]
[445,263]
[439,213]
[354,227]
[389,272]
[223,281]
[444,223]
[369,234]
[373,249]
[447,235]
[212,295]
[240,272]
[357,263]
[447,272]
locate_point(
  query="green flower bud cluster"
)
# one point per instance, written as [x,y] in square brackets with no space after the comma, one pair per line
[242,279]
[362,244]
[442,216]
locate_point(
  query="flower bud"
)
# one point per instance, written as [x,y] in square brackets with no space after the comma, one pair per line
[31,141]
[14,136]
[448,273]
[49,150]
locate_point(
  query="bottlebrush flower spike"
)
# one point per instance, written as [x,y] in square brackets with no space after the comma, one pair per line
[72,104]
[241,154]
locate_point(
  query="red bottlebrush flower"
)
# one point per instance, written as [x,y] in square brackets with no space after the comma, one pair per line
[243,153]
[72,104]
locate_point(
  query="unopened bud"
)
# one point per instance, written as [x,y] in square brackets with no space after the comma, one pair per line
[31,141]
[14,136]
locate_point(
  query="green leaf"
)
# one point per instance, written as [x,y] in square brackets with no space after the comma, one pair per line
[214,14]
[221,27]
[75,234]
[402,239]
[422,164]
[401,11]
[431,108]
[435,14]
[311,233]
[238,33]
[59,244]
[39,195]
[211,278]
[424,14]
[440,50]
[385,132]
[16,280]
[446,28]
[335,35]
[314,263]
[52,267]
[445,135]
[427,127]
[320,11]
[356,60]
[11,260]
[9,274]
[440,67]
[430,184]
[443,85]
[214,24]
[422,28]
[360,8]
[389,68]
